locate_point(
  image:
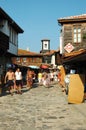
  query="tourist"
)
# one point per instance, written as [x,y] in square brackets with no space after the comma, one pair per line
[51,76]
[40,77]
[18,80]
[46,79]
[29,79]
[9,80]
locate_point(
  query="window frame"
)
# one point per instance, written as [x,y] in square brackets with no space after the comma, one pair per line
[18,59]
[77,33]
[24,59]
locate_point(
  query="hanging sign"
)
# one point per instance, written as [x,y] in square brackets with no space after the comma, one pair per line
[69,47]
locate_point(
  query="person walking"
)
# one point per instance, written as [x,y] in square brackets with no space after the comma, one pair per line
[18,80]
[9,80]
[40,77]
[51,76]
[46,80]
[29,79]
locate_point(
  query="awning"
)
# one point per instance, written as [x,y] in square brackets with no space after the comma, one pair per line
[44,67]
[33,67]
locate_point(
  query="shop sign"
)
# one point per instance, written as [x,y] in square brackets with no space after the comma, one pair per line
[69,47]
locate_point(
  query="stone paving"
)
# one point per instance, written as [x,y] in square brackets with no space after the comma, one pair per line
[41,108]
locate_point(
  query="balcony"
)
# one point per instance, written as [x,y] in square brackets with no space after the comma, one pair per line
[4,43]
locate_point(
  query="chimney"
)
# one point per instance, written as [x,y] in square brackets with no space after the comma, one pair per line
[28,49]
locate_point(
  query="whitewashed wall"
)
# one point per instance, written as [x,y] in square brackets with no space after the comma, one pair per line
[53,59]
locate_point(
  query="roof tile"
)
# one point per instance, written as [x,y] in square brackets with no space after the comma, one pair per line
[28,53]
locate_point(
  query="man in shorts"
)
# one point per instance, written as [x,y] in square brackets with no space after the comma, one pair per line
[9,80]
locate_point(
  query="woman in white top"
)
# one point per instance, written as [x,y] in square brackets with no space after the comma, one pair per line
[18,80]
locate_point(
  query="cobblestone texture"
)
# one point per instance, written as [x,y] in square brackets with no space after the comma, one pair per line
[41,109]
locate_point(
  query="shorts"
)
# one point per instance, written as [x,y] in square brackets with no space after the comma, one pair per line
[30,80]
[10,83]
[18,82]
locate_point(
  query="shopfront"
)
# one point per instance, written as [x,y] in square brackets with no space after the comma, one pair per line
[75,67]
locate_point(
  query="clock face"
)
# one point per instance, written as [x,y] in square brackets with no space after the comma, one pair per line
[45,45]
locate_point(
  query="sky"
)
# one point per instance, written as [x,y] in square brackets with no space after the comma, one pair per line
[39,19]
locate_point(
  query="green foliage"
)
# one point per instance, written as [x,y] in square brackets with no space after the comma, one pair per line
[84,36]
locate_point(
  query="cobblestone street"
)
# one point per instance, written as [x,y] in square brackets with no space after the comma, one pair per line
[41,109]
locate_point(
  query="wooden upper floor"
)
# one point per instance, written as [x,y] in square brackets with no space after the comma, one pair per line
[73,31]
[10,30]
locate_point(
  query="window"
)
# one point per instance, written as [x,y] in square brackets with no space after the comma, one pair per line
[18,59]
[77,35]
[45,45]
[13,36]
[24,59]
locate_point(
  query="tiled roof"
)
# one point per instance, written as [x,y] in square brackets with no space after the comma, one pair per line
[75,53]
[72,55]
[50,52]
[73,18]
[27,53]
